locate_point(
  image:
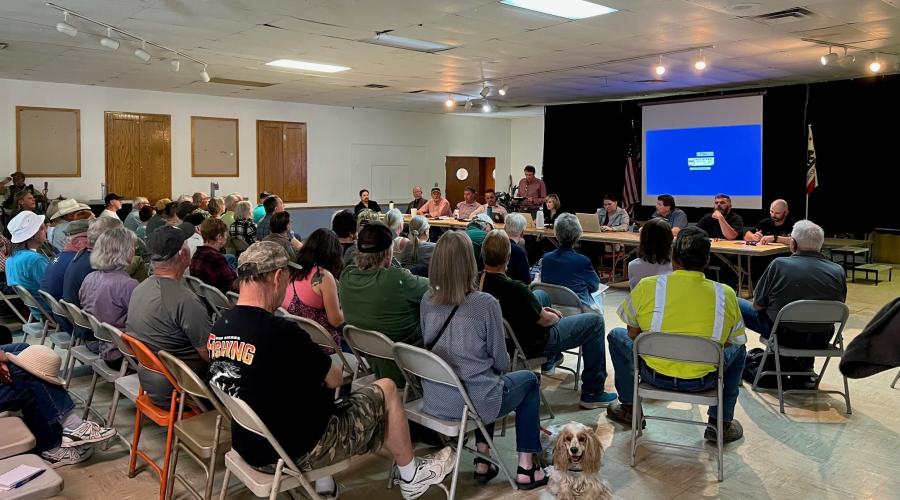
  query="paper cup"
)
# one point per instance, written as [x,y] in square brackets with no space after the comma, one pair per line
[413,211]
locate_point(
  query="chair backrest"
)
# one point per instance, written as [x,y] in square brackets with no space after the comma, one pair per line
[243,415]
[31,302]
[147,359]
[76,315]
[189,381]
[239,245]
[369,342]
[233,297]
[675,347]
[519,352]
[813,312]
[55,306]
[96,326]
[214,297]
[193,283]
[320,336]
[428,366]
[561,297]
[116,336]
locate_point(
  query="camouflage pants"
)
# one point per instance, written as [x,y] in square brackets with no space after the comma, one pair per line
[356,428]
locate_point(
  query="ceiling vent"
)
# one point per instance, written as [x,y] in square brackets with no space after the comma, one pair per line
[240,83]
[784,16]
[375,86]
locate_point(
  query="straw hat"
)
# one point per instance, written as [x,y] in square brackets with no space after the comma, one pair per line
[40,361]
[68,206]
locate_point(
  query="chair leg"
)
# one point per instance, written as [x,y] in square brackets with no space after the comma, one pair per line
[847,395]
[276,482]
[210,473]
[167,453]
[720,429]
[460,442]
[225,479]
[90,397]
[132,463]
[635,426]
[774,341]
[70,363]
[894,383]
[578,369]
[547,404]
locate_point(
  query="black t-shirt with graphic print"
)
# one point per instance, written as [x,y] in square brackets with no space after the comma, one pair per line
[271,364]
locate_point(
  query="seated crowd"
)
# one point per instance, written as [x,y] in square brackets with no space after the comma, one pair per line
[385,273]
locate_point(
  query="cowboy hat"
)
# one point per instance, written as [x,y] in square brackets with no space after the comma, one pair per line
[68,206]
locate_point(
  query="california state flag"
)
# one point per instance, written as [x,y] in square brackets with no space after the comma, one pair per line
[812,177]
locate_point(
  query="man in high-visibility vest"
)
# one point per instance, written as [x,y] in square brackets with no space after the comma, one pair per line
[685,303]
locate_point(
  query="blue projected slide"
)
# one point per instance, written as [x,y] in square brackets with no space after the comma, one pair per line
[705,160]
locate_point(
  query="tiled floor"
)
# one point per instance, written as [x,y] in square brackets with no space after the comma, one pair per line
[813,451]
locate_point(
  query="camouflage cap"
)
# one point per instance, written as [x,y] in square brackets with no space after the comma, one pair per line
[263,257]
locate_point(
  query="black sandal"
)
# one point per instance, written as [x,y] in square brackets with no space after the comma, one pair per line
[484,477]
[530,473]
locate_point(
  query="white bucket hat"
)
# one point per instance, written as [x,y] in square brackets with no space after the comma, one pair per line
[40,361]
[24,225]
[68,206]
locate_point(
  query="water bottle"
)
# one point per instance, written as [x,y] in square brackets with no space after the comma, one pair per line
[539,220]
[391,205]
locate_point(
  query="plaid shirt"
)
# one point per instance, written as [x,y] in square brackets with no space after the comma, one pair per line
[209,266]
[244,229]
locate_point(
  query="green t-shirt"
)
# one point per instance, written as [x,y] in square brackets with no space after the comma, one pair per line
[385,300]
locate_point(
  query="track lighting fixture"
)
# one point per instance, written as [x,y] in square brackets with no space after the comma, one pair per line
[176,65]
[486,106]
[700,62]
[108,41]
[659,69]
[66,28]
[449,103]
[204,75]
[503,90]
[847,60]
[485,90]
[828,58]
[875,66]
[468,106]
[142,54]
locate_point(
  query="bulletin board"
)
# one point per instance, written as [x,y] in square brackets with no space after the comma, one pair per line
[214,147]
[48,142]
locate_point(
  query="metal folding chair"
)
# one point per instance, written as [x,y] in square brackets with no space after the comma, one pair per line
[205,437]
[80,351]
[287,475]
[215,298]
[686,348]
[233,297]
[895,380]
[15,438]
[65,340]
[417,362]
[7,299]
[320,336]
[40,328]
[821,313]
[125,385]
[192,283]
[521,362]
[569,304]
[365,343]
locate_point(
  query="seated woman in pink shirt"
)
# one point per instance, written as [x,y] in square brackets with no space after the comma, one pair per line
[312,291]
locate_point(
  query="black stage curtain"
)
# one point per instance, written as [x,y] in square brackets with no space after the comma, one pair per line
[856,140]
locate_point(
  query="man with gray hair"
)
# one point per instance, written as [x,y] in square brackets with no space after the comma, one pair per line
[134,220]
[518,268]
[805,275]
[164,314]
[200,199]
[230,202]
[776,228]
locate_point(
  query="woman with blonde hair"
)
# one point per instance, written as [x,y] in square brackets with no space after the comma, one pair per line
[464,327]
[418,251]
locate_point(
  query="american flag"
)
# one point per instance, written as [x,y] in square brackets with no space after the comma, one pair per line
[631,195]
[812,176]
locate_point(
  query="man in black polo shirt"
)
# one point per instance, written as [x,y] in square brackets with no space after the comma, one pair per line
[722,223]
[365,202]
[274,366]
[805,275]
[773,229]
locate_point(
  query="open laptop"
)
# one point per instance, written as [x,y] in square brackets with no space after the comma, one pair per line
[590,223]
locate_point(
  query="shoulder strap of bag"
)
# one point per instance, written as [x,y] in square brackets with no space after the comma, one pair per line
[440,333]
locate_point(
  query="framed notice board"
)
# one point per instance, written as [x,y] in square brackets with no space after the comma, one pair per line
[214,147]
[48,141]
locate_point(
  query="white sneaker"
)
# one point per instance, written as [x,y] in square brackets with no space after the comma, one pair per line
[430,469]
[59,456]
[86,433]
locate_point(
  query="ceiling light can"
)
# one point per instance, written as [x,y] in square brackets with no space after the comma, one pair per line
[204,75]
[176,65]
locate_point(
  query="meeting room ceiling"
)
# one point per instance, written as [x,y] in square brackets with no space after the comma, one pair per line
[543,59]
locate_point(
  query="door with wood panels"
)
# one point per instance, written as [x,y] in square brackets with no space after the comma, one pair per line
[281,159]
[138,155]
[465,171]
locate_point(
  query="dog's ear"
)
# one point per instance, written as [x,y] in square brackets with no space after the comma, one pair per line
[561,452]
[593,454]
[604,432]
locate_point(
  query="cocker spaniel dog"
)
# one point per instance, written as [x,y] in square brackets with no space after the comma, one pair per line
[577,457]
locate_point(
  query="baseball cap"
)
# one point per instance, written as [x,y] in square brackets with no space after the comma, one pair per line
[110,197]
[263,257]
[165,242]
[483,217]
[692,243]
[374,237]
[76,227]
[436,189]
[24,225]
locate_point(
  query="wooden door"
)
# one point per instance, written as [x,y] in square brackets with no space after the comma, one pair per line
[281,159]
[138,155]
[478,173]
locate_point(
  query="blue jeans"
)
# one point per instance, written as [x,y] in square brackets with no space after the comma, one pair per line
[44,406]
[758,321]
[621,350]
[521,392]
[585,330]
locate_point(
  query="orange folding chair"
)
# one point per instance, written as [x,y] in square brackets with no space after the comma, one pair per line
[163,417]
